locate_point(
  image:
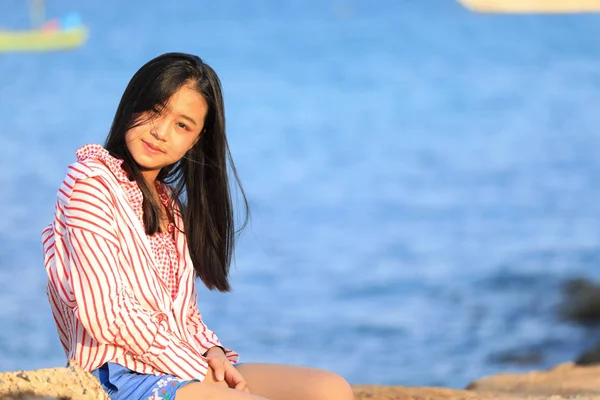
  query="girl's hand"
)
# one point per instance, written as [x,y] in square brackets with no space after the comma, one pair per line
[211,378]
[224,371]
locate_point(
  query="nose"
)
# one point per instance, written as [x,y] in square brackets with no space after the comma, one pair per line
[158,129]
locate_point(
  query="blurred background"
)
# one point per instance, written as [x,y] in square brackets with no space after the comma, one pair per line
[423,180]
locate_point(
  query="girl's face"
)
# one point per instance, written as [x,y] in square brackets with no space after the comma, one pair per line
[165,137]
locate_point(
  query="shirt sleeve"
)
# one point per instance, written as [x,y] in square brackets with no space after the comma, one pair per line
[204,337]
[104,303]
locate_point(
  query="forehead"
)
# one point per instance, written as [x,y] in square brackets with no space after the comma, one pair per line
[188,101]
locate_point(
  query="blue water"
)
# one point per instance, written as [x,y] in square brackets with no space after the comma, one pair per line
[422,179]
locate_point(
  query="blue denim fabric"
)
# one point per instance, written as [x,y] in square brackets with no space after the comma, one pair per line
[121,383]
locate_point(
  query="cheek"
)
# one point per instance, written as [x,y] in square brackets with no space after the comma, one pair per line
[184,145]
[133,134]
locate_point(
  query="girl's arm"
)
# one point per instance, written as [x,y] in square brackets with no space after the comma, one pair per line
[104,304]
[204,337]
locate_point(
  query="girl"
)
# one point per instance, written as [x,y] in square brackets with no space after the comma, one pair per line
[136,220]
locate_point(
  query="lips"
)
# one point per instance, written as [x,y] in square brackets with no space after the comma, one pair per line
[152,147]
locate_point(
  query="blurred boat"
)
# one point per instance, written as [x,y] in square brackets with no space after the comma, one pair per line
[532,6]
[66,33]
[42,40]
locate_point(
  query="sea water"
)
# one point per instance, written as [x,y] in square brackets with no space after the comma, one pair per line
[421,179]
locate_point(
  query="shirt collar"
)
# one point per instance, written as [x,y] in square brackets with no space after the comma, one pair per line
[115,165]
[96,151]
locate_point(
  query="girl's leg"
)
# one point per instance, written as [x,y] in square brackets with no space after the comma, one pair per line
[211,391]
[284,382]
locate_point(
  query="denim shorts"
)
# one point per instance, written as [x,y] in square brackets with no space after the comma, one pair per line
[121,383]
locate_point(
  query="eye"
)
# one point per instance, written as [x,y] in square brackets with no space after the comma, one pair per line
[184,126]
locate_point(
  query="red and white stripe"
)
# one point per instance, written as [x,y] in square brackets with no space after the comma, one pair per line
[107,297]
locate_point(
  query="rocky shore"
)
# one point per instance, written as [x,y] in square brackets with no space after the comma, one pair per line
[65,383]
[566,381]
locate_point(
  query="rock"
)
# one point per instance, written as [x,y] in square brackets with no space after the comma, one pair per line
[563,380]
[423,393]
[29,396]
[69,383]
[589,357]
[581,302]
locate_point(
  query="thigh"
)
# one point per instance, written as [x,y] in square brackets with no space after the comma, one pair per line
[286,382]
[211,391]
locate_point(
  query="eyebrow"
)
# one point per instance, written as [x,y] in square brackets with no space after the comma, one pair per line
[166,107]
[188,118]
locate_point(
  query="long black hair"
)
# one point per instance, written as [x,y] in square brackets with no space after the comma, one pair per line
[199,181]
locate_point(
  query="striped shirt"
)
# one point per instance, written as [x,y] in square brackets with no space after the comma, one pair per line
[110,298]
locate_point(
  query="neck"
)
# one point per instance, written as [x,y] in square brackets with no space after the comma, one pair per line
[150,177]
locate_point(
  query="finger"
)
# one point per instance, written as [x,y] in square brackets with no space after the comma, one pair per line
[235,378]
[242,386]
[218,368]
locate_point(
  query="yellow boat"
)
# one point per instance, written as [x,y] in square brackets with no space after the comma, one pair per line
[532,6]
[45,35]
[42,40]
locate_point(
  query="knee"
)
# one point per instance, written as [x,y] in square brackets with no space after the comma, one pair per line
[330,386]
